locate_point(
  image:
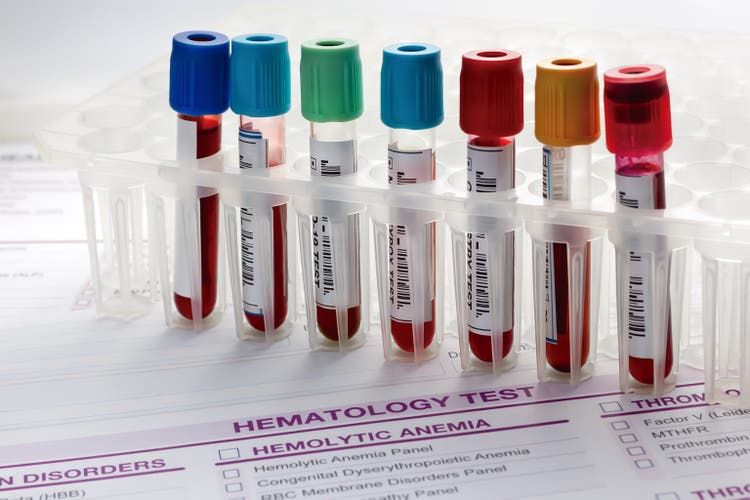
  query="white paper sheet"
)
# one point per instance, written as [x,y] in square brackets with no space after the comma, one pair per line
[93,408]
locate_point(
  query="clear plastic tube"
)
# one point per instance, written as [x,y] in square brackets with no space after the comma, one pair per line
[262,145]
[333,153]
[640,184]
[566,176]
[201,140]
[491,168]
[411,160]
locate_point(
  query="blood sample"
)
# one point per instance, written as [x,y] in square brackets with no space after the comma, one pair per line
[566,123]
[411,112]
[331,84]
[639,130]
[491,113]
[199,93]
[260,92]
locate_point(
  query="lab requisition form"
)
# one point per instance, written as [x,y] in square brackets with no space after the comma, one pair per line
[95,408]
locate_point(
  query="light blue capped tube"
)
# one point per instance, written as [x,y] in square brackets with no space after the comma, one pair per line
[411,100]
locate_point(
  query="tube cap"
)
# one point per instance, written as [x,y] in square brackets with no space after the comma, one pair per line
[199,73]
[636,110]
[260,79]
[331,80]
[567,102]
[411,86]
[491,96]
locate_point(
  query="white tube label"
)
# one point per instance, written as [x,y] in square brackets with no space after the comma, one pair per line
[253,153]
[639,192]
[489,169]
[253,149]
[333,159]
[187,149]
[410,167]
[556,173]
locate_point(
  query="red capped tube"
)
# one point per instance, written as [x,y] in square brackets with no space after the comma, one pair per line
[491,113]
[639,131]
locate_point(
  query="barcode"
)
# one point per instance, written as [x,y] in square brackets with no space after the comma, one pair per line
[554,174]
[403,297]
[485,184]
[327,266]
[482,296]
[401,178]
[248,248]
[636,303]
[626,202]
[325,168]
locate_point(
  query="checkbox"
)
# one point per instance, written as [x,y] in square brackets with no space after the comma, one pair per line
[229,453]
[670,495]
[633,451]
[233,487]
[644,463]
[628,438]
[231,474]
[620,425]
[610,407]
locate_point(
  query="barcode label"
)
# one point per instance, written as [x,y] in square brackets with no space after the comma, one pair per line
[490,169]
[323,261]
[639,192]
[253,149]
[478,284]
[640,342]
[408,167]
[332,159]
[556,173]
[253,153]
[252,298]
[550,312]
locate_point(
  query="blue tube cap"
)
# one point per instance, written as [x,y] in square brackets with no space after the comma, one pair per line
[260,75]
[411,86]
[199,73]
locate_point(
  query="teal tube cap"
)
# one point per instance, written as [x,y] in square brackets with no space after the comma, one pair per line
[260,75]
[411,86]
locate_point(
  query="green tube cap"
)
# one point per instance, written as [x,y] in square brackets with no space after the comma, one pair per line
[331,80]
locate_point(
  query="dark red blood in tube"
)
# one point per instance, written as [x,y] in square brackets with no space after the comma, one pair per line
[280,273]
[330,328]
[402,331]
[208,143]
[481,344]
[558,354]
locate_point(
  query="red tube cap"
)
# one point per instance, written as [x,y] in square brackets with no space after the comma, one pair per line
[491,94]
[637,115]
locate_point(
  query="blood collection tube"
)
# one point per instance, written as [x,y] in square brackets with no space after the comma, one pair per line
[639,131]
[199,93]
[491,113]
[411,105]
[331,84]
[566,123]
[260,92]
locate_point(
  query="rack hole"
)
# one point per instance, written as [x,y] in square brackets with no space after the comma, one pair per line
[259,38]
